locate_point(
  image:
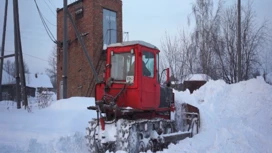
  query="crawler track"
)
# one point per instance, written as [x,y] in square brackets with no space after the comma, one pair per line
[131,136]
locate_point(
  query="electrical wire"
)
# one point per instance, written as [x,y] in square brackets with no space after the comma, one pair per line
[36,57]
[50,22]
[52,4]
[49,33]
[30,56]
[44,23]
[49,8]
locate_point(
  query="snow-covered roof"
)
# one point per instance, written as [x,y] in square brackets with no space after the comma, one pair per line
[7,79]
[129,43]
[197,77]
[41,80]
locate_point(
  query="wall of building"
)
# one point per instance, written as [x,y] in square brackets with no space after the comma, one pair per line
[91,23]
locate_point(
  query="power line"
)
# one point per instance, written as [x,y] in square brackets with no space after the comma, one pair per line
[44,23]
[49,8]
[31,56]
[35,57]
[49,22]
[52,4]
[51,12]
[49,33]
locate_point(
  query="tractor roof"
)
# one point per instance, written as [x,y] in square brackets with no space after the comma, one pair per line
[129,43]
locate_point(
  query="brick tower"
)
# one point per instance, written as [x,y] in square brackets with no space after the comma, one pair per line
[99,22]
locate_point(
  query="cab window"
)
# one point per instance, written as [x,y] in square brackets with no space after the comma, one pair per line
[148,64]
[122,65]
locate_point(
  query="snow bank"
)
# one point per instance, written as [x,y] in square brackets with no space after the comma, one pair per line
[234,118]
[58,128]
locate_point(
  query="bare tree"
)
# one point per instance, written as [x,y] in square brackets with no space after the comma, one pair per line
[52,70]
[9,67]
[211,48]
[207,24]
[266,57]
[253,37]
[170,48]
[188,55]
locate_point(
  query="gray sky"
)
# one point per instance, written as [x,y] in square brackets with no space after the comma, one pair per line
[146,20]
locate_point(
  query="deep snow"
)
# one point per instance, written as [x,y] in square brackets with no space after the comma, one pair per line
[234,118]
[58,128]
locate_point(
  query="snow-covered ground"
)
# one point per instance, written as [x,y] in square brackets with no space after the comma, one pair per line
[59,128]
[234,118]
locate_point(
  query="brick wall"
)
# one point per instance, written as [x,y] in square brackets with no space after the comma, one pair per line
[79,72]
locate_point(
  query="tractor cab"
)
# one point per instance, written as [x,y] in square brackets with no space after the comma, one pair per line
[131,78]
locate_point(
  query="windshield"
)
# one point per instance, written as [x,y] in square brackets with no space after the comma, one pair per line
[122,65]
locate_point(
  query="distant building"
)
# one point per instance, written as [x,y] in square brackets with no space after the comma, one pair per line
[194,81]
[99,23]
[34,83]
[37,83]
[8,86]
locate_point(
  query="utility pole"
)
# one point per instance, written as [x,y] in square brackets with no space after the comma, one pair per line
[21,59]
[64,60]
[20,73]
[16,47]
[3,46]
[239,41]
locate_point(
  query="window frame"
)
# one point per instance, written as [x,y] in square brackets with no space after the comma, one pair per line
[107,38]
[125,69]
[153,74]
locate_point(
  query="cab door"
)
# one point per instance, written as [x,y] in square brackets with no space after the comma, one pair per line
[149,82]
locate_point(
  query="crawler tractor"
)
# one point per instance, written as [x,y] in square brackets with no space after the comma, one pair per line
[135,112]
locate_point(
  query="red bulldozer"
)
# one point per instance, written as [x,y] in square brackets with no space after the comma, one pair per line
[135,111]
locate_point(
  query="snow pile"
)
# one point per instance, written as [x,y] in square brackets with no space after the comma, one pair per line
[59,128]
[234,118]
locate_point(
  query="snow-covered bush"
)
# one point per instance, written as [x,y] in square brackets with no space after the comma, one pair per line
[44,98]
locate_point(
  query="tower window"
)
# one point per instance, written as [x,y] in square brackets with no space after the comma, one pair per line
[109,27]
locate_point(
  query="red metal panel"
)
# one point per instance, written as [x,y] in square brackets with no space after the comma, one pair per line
[144,93]
[149,85]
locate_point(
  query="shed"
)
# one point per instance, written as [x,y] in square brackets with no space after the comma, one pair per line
[194,81]
[37,83]
[8,86]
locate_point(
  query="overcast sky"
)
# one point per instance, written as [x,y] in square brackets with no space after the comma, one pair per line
[146,20]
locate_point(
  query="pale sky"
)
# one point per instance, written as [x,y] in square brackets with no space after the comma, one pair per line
[146,20]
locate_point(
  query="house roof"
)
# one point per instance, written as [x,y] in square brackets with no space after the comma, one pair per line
[38,81]
[196,77]
[7,79]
